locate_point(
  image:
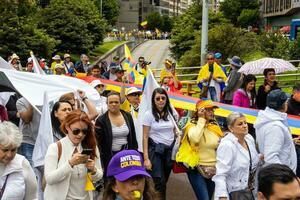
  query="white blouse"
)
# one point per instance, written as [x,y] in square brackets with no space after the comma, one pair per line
[233,163]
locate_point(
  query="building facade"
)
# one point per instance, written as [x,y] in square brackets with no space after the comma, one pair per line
[279,13]
[133,12]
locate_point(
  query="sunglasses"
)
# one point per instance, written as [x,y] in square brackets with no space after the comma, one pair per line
[210,58]
[83,131]
[160,98]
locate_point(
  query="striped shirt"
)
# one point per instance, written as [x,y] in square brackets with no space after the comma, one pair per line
[119,134]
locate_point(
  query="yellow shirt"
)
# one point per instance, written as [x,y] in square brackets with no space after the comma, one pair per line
[206,141]
[53,66]
[125,106]
[164,72]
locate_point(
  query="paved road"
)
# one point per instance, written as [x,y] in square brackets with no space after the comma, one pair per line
[155,51]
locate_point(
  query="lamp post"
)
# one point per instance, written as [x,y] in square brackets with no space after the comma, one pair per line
[204,33]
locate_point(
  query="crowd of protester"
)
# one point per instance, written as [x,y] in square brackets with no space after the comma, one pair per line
[96,155]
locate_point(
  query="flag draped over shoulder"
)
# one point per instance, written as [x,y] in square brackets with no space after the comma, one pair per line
[144,23]
[129,66]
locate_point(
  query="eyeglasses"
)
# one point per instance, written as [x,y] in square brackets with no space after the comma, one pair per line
[77,131]
[160,98]
[100,86]
[210,58]
[166,83]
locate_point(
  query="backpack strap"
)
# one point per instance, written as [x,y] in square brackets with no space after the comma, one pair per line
[59,147]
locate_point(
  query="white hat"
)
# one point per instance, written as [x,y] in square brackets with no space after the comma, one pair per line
[94,83]
[67,56]
[56,57]
[14,56]
[59,66]
[132,90]
[29,60]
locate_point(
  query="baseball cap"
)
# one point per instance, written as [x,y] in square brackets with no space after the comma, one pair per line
[94,83]
[205,104]
[126,164]
[119,69]
[29,60]
[218,55]
[276,98]
[132,90]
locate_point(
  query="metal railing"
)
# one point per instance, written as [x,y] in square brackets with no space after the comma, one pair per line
[289,78]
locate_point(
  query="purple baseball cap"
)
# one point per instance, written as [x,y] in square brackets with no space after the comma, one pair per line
[126,164]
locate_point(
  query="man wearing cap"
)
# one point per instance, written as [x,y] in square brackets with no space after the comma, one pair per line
[101,105]
[68,63]
[235,79]
[132,102]
[56,60]
[218,60]
[210,79]
[29,65]
[272,132]
[110,74]
[120,74]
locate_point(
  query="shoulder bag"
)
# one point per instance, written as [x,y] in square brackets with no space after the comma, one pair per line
[245,194]
[204,90]
[3,187]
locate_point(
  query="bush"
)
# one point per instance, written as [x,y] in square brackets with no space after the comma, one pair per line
[76,23]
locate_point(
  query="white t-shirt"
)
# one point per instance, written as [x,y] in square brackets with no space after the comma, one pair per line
[161,131]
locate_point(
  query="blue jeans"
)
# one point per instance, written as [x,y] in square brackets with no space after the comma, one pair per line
[26,150]
[213,93]
[203,188]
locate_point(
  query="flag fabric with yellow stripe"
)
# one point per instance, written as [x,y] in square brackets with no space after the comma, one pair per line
[144,23]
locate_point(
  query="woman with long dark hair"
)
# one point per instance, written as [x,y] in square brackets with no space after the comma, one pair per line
[68,161]
[59,112]
[158,139]
[246,95]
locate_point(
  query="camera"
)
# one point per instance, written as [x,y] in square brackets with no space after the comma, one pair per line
[145,63]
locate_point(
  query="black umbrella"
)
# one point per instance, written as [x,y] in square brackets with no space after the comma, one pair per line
[5,84]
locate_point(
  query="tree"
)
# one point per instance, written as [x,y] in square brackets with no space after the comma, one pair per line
[232,10]
[154,20]
[110,10]
[248,17]
[19,33]
[77,24]
[185,29]
[167,23]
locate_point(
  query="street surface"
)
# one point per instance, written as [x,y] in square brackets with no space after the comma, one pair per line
[157,51]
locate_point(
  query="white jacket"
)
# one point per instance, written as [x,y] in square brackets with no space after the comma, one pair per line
[233,164]
[58,175]
[21,183]
[274,138]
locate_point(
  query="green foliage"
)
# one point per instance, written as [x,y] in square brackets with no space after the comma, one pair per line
[241,12]
[248,17]
[154,20]
[19,33]
[110,10]
[76,23]
[184,30]
[232,41]
[161,22]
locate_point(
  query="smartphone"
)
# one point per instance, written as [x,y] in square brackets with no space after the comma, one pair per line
[87,151]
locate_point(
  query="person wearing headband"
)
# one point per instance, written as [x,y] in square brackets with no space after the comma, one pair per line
[198,149]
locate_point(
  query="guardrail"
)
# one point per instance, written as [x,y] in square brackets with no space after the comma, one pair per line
[119,51]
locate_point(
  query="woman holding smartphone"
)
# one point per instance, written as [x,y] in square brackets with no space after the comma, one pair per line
[65,167]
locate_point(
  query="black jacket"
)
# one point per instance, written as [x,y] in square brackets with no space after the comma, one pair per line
[293,107]
[104,136]
[261,98]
